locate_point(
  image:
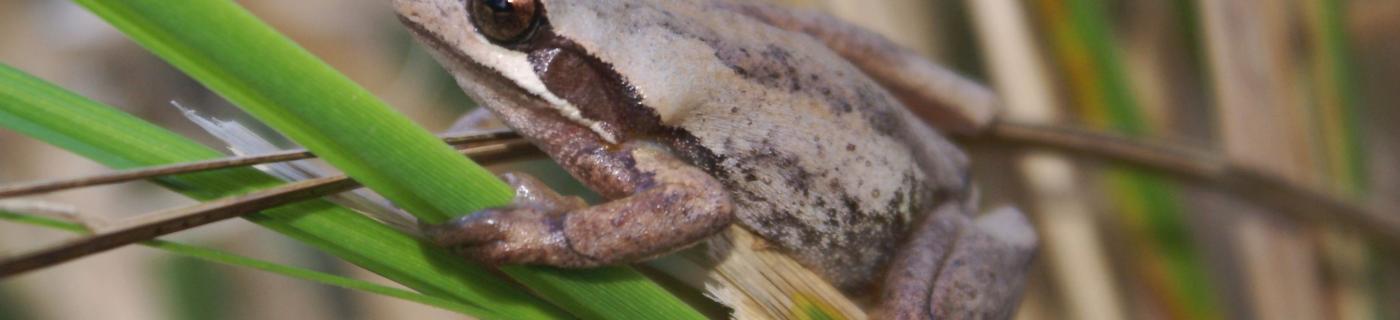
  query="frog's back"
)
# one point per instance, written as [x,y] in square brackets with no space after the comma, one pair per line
[819,159]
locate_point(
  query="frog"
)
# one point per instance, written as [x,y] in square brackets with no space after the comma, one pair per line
[689,116]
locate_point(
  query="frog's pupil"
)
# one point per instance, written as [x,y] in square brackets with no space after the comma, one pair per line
[504,21]
[500,5]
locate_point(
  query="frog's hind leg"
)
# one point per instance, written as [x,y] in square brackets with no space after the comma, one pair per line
[955,267]
[952,102]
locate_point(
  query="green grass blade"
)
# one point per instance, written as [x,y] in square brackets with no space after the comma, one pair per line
[1340,100]
[116,139]
[1150,204]
[1341,104]
[12,307]
[233,53]
[216,256]
[247,62]
[196,289]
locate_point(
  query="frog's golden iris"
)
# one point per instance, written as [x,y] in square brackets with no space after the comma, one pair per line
[505,21]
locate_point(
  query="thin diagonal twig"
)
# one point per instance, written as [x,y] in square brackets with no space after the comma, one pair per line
[27,217]
[214,164]
[1208,169]
[150,226]
[153,225]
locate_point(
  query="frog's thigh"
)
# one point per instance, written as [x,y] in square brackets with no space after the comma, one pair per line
[952,102]
[977,276]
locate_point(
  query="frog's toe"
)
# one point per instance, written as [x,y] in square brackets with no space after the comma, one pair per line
[528,231]
[514,252]
[509,236]
[478,228]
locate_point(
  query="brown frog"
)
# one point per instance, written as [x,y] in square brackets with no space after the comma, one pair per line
[690,116]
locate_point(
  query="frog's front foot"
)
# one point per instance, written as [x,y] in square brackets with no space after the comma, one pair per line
[529,231]
[674,207]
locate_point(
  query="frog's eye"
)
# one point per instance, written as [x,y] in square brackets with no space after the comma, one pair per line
[505,21]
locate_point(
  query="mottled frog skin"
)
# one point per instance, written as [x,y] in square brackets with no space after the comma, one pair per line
[690,116]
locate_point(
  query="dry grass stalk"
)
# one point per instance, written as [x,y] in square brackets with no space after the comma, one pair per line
[1261,124]
[1072,250]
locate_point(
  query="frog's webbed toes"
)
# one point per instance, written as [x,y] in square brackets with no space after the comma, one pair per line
[510,236]
[480,227]
[529,231]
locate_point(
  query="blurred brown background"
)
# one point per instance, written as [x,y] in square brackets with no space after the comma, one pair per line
[1301,89]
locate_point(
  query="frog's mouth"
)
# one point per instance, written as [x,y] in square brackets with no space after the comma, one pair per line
[483,67]
[475,78]
[483,84]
